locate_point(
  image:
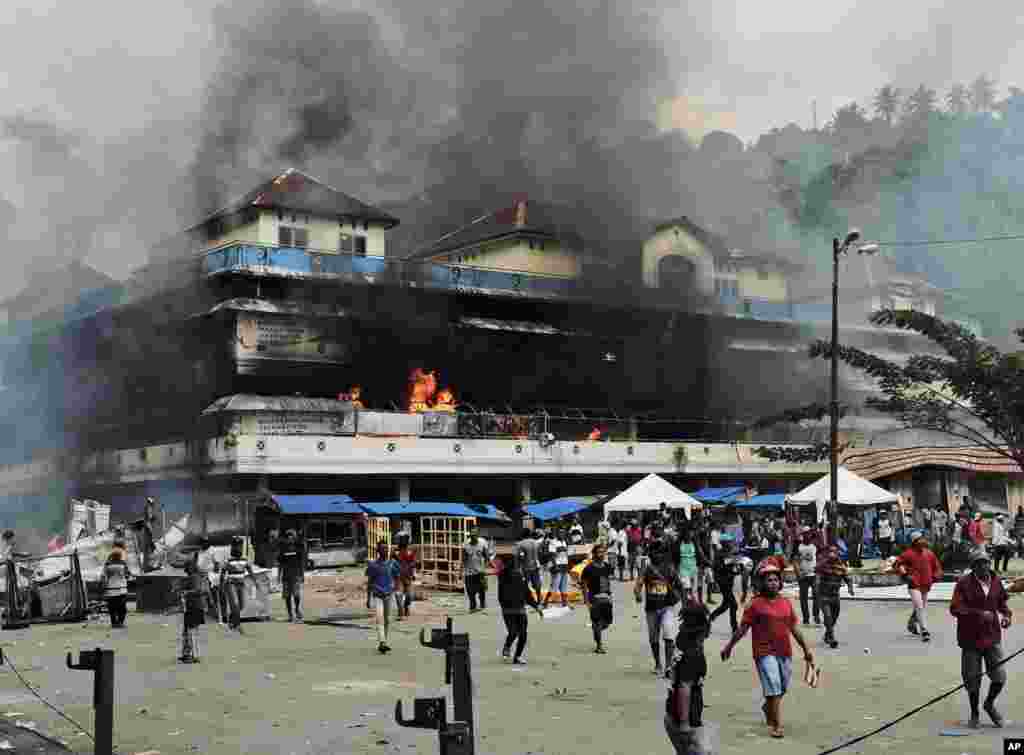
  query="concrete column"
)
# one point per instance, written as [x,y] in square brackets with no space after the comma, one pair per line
[524,494]
[404,489]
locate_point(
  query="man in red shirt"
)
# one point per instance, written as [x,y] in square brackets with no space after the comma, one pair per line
[773,620]
[977,599]
[920,569]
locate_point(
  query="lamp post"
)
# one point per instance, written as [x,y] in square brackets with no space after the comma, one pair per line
[838,249]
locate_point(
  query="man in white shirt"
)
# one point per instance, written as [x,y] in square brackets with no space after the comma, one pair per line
[1001,544]
[619,544]
[804,565]
[576,533]
[559,568]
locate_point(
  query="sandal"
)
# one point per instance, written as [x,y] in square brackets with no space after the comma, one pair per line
[777,733]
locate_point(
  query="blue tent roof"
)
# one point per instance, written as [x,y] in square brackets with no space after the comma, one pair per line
[718,495]
[768,500]
[559,507]
[315,504]
[421,508]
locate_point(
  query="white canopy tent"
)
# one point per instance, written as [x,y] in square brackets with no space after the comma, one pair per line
[852,490]
[648,494]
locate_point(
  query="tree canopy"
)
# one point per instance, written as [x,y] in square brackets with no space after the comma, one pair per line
[968,389]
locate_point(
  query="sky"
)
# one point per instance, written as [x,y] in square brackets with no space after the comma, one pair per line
[107,104]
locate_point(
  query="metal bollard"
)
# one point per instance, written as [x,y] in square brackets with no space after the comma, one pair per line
[101,663]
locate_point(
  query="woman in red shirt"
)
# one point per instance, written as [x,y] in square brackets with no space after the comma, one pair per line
[773,620]
[920,569]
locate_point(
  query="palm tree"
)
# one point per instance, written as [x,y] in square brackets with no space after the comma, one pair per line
[983,94]
[920,104]
[887,102]
[850,117]
[958,100]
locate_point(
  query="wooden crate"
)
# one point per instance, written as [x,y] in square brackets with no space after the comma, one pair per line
[440,548]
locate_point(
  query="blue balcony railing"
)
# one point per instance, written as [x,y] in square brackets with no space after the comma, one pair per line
[287,261]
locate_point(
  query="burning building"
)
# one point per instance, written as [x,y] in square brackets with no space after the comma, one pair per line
[282,345]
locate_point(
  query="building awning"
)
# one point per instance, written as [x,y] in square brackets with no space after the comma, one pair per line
[298,505]
[241,402]
[764,501]
[422,508]
[719,495]
[559,507]
[876,463]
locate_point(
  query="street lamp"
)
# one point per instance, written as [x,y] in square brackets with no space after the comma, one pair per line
[838,249]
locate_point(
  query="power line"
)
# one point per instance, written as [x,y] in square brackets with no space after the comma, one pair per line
[981,240]
[46,702]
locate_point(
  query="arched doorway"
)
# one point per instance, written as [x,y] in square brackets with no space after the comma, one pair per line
[677,273]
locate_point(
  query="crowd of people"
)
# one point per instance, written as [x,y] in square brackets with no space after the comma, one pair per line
[678,568]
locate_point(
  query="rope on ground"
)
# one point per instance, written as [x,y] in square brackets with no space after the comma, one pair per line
[46,702]
[918,709]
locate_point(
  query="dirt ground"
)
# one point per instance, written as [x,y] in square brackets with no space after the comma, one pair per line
[318,688]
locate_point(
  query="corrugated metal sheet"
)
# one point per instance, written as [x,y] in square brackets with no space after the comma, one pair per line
[559,507]
[421,508]
[315,504]
[249,403]
[718,495]
[883,462]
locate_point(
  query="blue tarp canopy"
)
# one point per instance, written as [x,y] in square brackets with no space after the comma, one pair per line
[765,501]
[292,505]
[421,508]
[559,507]
[719,495]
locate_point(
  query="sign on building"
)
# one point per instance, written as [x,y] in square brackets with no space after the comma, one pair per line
[295,339]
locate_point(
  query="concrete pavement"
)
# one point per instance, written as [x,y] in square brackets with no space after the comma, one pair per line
[286,688]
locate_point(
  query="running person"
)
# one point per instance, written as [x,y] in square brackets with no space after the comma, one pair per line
[773,621]
[661,588]
[832,573]
[597,592]
[685,704]
[513,596]
[920,569]
[727,568]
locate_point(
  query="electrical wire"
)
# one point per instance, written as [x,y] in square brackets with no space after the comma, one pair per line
[938,242]
[46,702]
[918,709]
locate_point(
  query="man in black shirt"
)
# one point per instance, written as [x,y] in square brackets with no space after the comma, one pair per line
[597,592]
[727,567]
[291,560]
[685,704]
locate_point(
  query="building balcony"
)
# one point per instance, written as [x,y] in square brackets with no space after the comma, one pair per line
[277,261]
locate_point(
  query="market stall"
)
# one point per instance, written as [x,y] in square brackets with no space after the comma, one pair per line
[648,494]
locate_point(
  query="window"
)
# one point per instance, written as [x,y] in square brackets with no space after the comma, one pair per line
[360,245]
[337,531]
[345,243]
[295,237]
[315,530]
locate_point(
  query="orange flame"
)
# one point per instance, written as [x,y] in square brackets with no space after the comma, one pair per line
[595,434]
[424,395]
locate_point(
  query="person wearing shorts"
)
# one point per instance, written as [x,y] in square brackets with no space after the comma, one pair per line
[773,621]
[661,588]
[559,565]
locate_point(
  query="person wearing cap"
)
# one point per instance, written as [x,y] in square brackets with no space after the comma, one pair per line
[920,568]
[804,565]
[291,562]
[773,621]
[1002,545]
[981,610]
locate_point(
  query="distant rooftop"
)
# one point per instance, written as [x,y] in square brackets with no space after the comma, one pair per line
[295,191]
